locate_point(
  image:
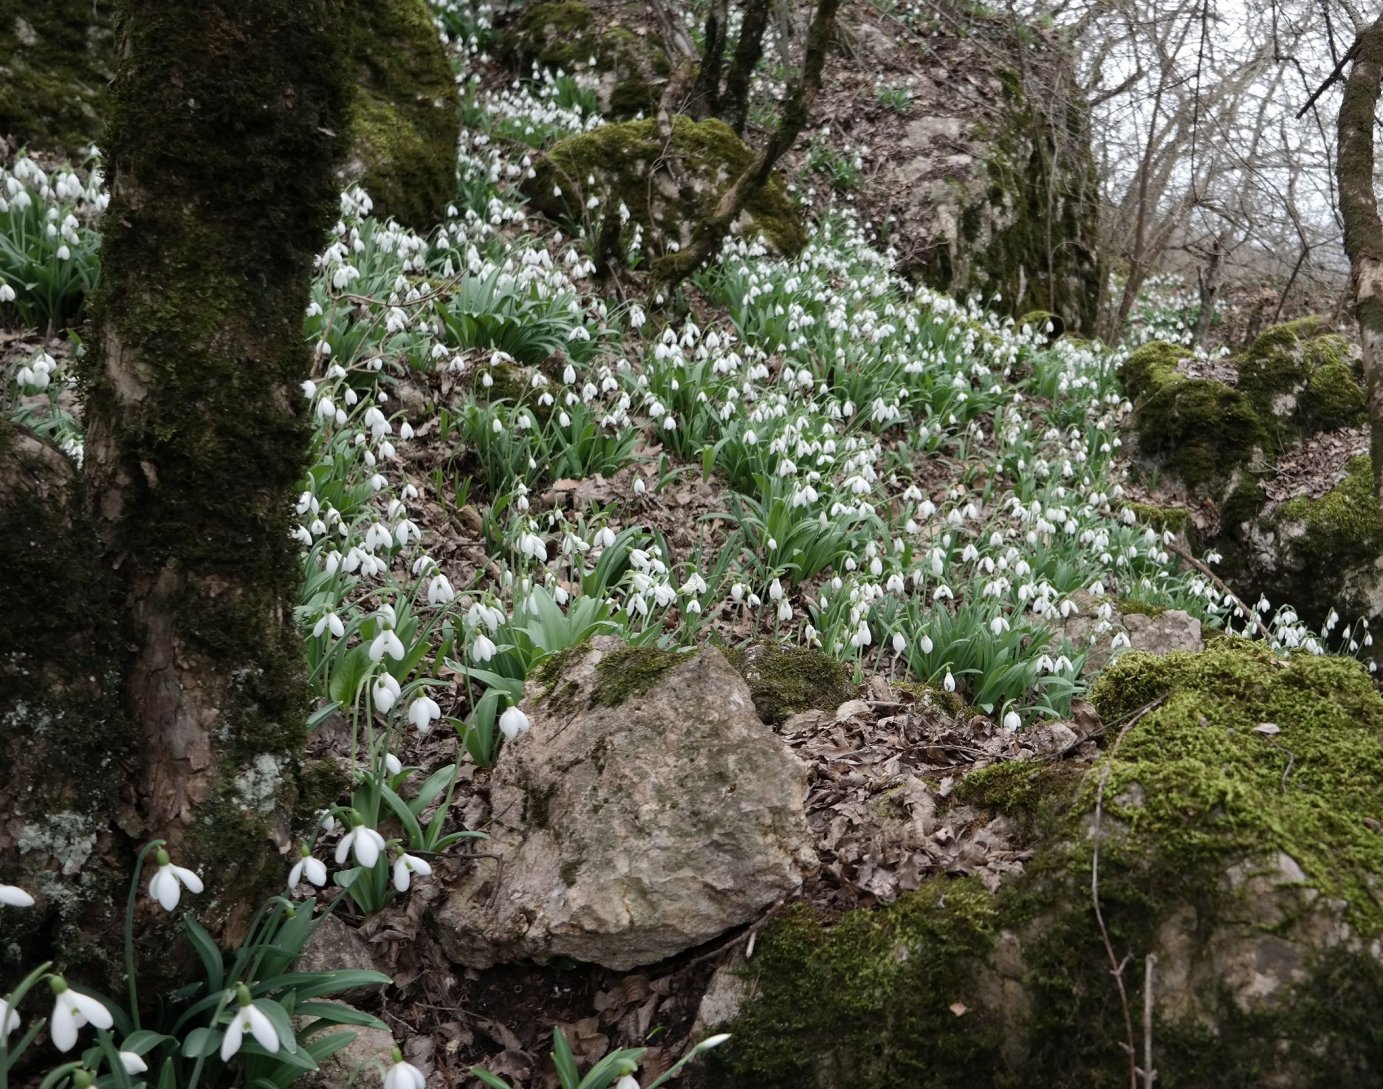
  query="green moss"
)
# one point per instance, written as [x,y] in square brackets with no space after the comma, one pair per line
[1213,789]
[1131,605]
[1175,519]
[784,680]
[1200,429]
[1341,527]
[629,672]
[1333,398]
[56,62]
[867,1002]
[623,157]
[405,120]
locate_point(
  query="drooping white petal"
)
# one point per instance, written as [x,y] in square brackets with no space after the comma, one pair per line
[235,1034]
[343,848]
[368,844]
[264,1033]
[165,888]
[90,1010]
[132,1063]
[404,1075]
[14,896]
[9,1020]
[63,1025]
[315,871]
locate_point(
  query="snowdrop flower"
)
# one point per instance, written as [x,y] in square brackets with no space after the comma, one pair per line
[405,866]
[329,622]
[9,1020]
[309,868]
[386,642]
[900,642]
[14,896]
[422,712]
[132,1063]
[1012,721]
[385,692]
[482,648]
[627,1082]
[168,883]
[72,1010]
[532,546]
[439,591]
[248,1017]
[403,1075]
[949,683]
[512,723]
[365,842]
[392,764]
[6,293]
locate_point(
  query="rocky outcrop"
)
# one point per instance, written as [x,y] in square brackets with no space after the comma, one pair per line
[615,181]
[1224,853]
[1270,450]
[648,810]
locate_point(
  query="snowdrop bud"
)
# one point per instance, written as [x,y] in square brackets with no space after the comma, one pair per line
[900,644]
[513,722]
[14,896]
[949,683]
[1012,721]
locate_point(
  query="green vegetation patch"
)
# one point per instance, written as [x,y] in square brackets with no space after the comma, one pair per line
[405,116]
[1213,788]
[57,59]
[631,671]
[785,680]
[867,1002]
[1300,380]
[1341,526]
[1200,429]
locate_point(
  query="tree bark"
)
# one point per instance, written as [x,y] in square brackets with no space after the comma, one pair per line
[674,268]
[226,122]
[1363,228]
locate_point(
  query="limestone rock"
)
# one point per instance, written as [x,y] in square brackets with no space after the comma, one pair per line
[1163,633]
[647,811]
[358,1063]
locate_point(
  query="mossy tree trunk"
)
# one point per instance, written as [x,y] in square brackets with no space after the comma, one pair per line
[172,697]
[1363,228]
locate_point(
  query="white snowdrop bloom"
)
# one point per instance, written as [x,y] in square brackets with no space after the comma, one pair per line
[6,293]
[392,764]
[248,1018]
[385,692]
[14,896]
[132,1063]
[1012,721]
[365,842]
[71,1011]
[998,626]
[405,866]
[784,610]
[169,881]
[439,590]
[386,642]
[513,722]
[422,712]
[949,682]
[639,486]
[9,1020]
[308,868]
[627,1081]
[482,648]
[926,644]
[403,1075]
[900,642]
[533,546]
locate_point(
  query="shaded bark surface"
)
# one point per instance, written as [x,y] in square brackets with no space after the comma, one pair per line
[1363,228]
[225,125]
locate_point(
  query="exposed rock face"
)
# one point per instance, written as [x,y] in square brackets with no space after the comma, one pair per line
[1270,448]
[975,158]
[1233,833]
[647,811]
[625,166]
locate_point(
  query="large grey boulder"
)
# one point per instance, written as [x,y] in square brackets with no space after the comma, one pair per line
[647,811]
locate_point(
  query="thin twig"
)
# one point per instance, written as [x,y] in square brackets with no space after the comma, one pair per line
[1149,1073]
[1116,966]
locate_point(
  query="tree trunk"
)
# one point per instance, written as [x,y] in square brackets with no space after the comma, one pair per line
[182,715]
[1363,228]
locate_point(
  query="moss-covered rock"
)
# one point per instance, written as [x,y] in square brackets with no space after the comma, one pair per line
[1234,822]
[1199,429]
[56,60]
[622,166]
[784,680]
[405,120]
[629,67]
[1299,379]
